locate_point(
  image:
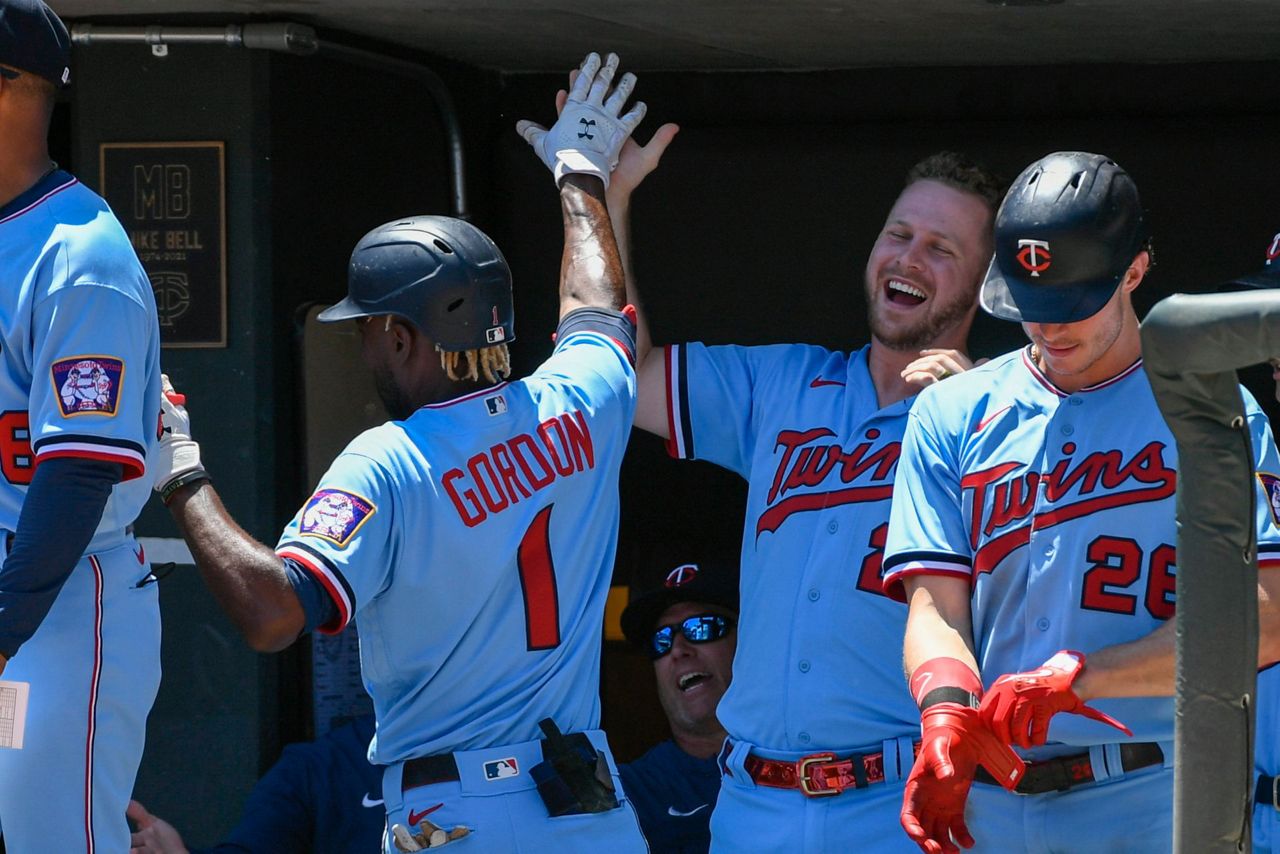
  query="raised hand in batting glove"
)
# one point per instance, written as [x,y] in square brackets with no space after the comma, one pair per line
[591,129]
[954,742]
[176,459]
[1019,706]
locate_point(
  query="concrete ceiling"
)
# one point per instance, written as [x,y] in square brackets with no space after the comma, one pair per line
[550,35]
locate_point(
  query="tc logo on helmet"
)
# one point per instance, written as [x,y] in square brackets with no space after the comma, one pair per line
[1034,256]
[681,575]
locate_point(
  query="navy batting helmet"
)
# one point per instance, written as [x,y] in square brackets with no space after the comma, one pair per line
[1065,234]
[442,274]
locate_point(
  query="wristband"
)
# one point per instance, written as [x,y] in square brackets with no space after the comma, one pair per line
[945,680]
[180,481]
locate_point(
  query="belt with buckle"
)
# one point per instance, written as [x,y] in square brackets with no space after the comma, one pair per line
[1064,772]
[818,775]
[426,770]
[1267,792]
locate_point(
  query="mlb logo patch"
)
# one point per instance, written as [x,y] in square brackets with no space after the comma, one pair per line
[501,769]
[87,385]
[495,335]
[335,515]
[1271,486]
[496,404]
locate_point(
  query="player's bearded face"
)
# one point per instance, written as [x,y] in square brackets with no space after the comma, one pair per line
[923,275]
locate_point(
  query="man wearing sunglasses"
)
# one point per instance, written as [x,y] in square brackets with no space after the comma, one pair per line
[688,628]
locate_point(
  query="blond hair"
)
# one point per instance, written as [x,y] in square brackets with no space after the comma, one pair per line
[494,362]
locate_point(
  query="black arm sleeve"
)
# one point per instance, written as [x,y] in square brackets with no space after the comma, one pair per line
[62,509]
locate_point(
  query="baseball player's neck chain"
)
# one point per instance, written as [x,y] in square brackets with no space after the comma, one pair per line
[53,167]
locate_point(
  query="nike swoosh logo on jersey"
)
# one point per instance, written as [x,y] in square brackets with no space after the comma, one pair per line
[819,382]
[415,817]
[677,813]
[992,417]
[367,801]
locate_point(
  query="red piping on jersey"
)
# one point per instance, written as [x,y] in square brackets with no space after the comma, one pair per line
[344,613]
[39,201]
[1047,383]
[466,397]
[132,468]
[673,444]
[93,704]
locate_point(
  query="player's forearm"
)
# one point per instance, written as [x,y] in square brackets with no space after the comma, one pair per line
[620,217]
[937,626]
[1140,668]
[590,268]
[244,576]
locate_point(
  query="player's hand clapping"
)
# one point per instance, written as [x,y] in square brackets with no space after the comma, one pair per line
[588,136]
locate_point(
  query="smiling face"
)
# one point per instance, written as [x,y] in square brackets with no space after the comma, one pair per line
[693,677]
[924,271]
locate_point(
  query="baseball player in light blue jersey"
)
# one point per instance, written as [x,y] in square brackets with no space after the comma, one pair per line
[474,534]
[1033,534]
[79,402]
[821,729]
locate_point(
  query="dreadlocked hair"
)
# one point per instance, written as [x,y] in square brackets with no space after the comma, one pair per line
[494,362]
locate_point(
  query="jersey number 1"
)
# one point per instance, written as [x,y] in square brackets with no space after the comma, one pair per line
[538,582]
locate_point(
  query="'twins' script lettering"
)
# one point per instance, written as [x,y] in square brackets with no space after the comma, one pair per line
[808,462]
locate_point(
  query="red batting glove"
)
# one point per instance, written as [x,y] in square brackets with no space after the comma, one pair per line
[954,743]
[1019,706]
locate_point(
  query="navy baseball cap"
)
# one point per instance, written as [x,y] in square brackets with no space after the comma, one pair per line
[710,582]
[1267,277]
[34,39]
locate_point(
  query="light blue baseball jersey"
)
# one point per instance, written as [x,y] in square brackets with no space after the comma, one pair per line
[475,540]
[819,654]
[1058,510]
[79,348]
[79,378]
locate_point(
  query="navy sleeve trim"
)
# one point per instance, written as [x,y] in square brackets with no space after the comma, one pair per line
[618,326]
[318,606]
[344,598]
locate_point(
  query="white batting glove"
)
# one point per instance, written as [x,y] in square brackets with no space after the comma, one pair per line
[176,459]
[590,131]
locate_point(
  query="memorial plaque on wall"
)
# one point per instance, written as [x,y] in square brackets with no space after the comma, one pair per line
[170,198]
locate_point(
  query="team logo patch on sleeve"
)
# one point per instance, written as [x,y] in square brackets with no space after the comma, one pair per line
[1271,486]
[335,515]
[88,384]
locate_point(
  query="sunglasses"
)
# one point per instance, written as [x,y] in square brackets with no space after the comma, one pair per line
[703,628]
